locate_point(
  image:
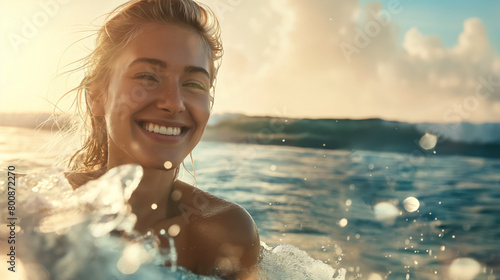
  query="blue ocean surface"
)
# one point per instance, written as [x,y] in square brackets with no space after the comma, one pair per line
[377,214]
[337,205]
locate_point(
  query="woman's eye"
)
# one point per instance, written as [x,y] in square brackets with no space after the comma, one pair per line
[147,78]
[196,85]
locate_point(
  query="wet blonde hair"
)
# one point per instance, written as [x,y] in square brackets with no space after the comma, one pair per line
[121,26]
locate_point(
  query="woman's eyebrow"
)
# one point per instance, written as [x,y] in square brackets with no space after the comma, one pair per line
[196,69]
[162,64]
[153,61]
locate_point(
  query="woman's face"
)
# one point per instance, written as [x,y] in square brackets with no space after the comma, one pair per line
[157,103]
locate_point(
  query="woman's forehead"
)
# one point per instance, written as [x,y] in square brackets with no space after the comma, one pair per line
[172,44]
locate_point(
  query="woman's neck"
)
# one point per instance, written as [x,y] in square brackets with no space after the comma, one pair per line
[150,200]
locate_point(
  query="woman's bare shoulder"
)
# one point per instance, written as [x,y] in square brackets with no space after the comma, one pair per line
[208,205]
[203,201]
[225,233]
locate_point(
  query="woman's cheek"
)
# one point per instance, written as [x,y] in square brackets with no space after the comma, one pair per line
[139,94]
[204,111]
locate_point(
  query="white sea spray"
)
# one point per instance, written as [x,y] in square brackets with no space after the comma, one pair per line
[289,262]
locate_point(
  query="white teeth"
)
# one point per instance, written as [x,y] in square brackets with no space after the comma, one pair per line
[172,131]
[164,130]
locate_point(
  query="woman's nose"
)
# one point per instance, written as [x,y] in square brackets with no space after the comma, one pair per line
[170,99]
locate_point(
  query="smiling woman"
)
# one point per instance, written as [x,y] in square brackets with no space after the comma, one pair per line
[154,89]
[147,100]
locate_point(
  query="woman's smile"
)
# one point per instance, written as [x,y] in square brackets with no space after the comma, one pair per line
[164,131]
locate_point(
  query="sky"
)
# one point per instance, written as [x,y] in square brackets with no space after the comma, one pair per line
[416,61]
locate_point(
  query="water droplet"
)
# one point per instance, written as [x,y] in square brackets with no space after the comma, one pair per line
[154,206]
[385,212]
[338,251]
[375,276]
[443,248]
[411,204]
[464,269]
[176,195]
[168,164]
[343,222]
[174,230]
[371,166]
[348,202]
[273,167]
[428,141]
[283,140]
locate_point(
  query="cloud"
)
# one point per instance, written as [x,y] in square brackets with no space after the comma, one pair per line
[288,54]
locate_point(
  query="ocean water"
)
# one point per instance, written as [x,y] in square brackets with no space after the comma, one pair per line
[377,215]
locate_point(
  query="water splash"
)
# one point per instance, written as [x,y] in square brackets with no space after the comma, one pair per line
[78,235]
[285,262]
[173,254]
[70,234]
[133,256]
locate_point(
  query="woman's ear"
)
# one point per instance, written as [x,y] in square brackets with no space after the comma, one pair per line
[95,100]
